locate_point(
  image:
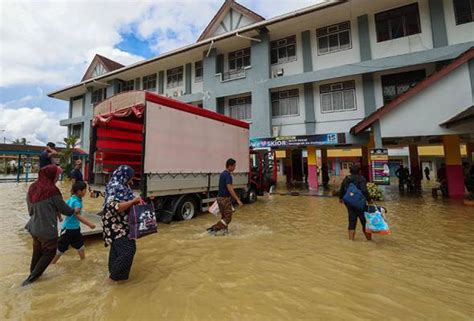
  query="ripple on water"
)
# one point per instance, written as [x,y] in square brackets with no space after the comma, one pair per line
[286,258]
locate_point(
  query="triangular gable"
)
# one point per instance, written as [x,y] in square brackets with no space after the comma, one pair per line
[231,16]
[100,65]
[421,86]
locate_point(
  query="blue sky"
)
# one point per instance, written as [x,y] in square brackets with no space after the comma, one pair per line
[47,54]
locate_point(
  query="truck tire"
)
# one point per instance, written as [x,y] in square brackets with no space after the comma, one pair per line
[251,195]
[186,209]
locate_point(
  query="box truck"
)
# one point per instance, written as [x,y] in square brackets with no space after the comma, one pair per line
[177,151]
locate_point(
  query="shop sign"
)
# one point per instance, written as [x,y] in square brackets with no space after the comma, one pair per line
[380,168]
[297,141]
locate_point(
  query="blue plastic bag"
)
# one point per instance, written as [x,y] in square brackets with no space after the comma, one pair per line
[376,223]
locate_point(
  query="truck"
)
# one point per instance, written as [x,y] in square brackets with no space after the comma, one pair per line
[177,151]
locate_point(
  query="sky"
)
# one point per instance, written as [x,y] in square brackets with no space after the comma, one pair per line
[47,45]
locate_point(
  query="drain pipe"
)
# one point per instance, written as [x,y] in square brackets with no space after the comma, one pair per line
[210,47]
[249,38]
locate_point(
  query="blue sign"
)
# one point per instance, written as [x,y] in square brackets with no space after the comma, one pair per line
[295,141]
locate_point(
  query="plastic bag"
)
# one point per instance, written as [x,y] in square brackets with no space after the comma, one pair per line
[142,221]
[376,222]
[214,209]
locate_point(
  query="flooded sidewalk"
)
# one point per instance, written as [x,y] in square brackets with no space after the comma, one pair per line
[286,258]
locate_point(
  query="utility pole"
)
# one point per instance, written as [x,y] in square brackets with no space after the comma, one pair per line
[4,138]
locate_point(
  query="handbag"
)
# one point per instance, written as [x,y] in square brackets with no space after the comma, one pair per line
[142,221]
[376,223]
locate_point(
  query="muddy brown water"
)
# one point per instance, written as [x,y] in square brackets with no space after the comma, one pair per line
[287,258]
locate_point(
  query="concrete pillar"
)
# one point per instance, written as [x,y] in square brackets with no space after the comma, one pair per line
[187,78]
[288,166]
[415,168]
[454,170]
[366,165]
[438,23]
[337,166]
[324,165]
[312,168]
[364,38]
[161,82]
[209,65]
[261,111]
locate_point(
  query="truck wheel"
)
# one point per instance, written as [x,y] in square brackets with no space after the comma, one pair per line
[186,209]
[251,195]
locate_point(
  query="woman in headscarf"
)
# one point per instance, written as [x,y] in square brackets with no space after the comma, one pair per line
[119,199]
[44,201]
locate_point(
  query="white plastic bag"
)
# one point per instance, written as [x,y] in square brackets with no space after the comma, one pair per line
[214,209]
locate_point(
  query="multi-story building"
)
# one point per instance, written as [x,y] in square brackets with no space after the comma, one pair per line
[320,70]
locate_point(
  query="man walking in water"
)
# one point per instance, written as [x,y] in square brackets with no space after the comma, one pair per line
[47,154]
[224,199]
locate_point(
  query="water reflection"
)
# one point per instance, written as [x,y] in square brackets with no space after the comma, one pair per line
[287,258]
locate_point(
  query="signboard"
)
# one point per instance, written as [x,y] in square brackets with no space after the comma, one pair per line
[297,141]
[380,168]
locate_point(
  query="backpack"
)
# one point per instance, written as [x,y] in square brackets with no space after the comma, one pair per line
[354,197]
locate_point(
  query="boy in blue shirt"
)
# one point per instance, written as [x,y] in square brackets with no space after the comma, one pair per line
[71,227]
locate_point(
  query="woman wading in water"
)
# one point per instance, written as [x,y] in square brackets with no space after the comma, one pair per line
[118,201]
[44,201]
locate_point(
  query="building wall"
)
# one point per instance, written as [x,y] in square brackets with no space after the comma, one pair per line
[338,122]
[456,33]
[293,67]
[76,109]
[292,125]
[422,114]
[429,69]
[418,42]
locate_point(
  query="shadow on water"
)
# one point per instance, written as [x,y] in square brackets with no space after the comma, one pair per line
[286,258]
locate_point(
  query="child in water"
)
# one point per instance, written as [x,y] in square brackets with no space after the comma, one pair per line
[71,228]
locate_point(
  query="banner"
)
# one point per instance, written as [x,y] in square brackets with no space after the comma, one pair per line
[380,168]
[295,141]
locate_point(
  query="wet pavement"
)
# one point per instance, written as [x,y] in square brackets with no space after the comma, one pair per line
[286,258]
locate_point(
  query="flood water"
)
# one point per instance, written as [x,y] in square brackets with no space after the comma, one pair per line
[287,258]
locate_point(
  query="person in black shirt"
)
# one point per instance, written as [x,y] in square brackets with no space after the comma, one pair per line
[47,154]
[359,181]
[224,199]
[76,174]
[402,174]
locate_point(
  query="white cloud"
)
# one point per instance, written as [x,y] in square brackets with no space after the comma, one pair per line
[53,42]
[34,124]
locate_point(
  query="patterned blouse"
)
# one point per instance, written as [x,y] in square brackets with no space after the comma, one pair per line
[115,223]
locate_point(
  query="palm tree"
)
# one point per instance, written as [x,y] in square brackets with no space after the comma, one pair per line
[65,155]
[21,141]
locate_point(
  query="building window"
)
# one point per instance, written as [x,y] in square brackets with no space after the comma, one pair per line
[198,71]
[397,84]
[463,11]
[241,108]
[76,131]
[98,95]
[149,82]
[125,85]
[239,59]
[334,38]
[283,50]
[285,103]
[338,97]
[174,77]
[398,23]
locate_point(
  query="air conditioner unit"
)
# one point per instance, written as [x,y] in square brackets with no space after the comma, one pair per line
[275,131]
[278,73]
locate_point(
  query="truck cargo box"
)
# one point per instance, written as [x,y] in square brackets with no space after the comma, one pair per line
[175,148]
